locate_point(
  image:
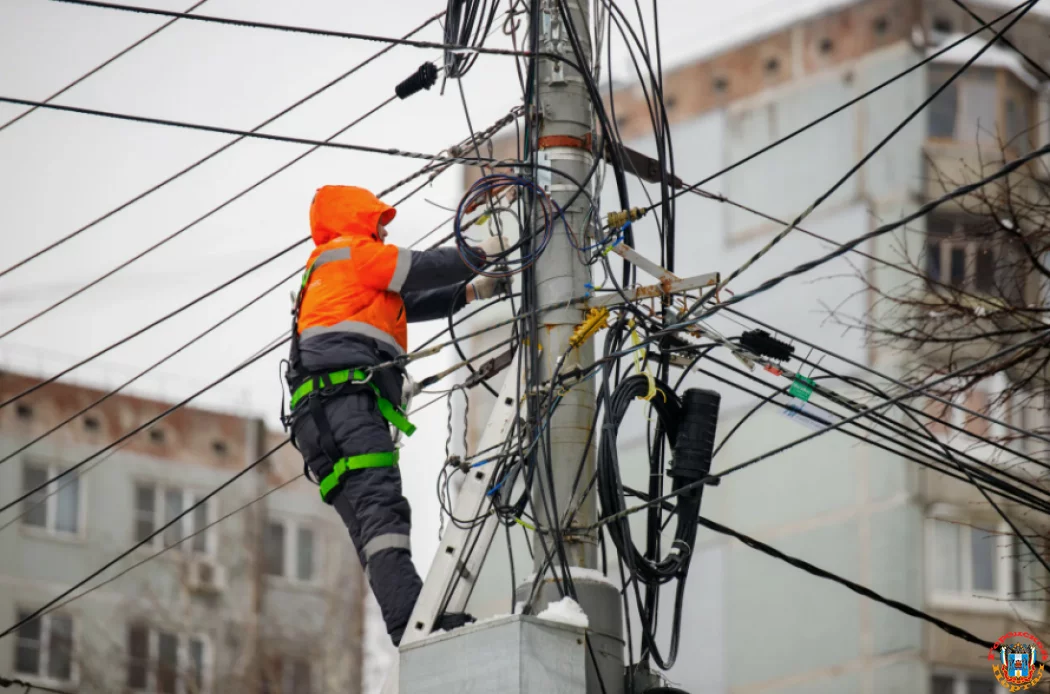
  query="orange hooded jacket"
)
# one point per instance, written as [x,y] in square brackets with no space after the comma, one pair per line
[354,278]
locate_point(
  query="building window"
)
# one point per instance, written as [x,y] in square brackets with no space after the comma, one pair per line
[287,675]
[975,110]
[162,662]
[963,683]
[156,505]
[44,647]
[56,507]
[981,566]
[967,254]
[291,551]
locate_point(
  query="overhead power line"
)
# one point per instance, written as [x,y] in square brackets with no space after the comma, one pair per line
[388,151]
[212,154]
[781,235]
[6,682]
[1006,42]
[100,66]
[860,97]
[957,632]
[709,479]
[319,32]
[152,324]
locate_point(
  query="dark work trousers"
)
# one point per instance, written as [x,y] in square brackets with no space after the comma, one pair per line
[369,501]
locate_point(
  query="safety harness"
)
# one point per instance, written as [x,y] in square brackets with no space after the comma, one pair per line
[312,392]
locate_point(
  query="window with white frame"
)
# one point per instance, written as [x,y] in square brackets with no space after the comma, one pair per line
[56,507]
[291,550]
[980,107]
[44,647]
[981,566]
[947,682]
[163,662]
[157,505]
[287,675]
[972,255]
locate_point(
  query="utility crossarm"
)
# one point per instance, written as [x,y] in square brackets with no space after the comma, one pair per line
[669,282]
[455,568]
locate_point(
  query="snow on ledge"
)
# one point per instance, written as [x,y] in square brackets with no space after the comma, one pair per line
[579,573]
[565,611]
[993,57]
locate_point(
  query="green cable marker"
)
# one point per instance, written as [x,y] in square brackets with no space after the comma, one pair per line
[802,388]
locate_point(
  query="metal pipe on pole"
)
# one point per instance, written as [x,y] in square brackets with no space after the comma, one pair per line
[564,117]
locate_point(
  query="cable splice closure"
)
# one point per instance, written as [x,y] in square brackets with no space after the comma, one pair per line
[762,343]
[423,78]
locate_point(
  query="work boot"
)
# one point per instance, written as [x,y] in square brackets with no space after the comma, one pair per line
[452,620]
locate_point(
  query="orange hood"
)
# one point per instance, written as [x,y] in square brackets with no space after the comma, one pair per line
[346,211]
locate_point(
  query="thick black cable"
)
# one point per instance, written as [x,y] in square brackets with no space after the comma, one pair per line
[153,324]
[197,163]
[835,426]
[751,542]
[144,541]
[6,682]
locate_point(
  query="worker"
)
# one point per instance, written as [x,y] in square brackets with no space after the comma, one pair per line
[357,295]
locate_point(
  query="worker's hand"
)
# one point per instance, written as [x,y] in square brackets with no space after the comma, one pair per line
[487,287]
[494,246]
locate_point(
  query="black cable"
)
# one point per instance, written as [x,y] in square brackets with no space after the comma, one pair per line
[1006,42]
[389,151]
[931,57]
[198,162]
[99,67]
[151,367]
[6,682]
[709,479]
[306,30]
[781,235]
[885,228]
[143,542]
[751,542]
[151,325]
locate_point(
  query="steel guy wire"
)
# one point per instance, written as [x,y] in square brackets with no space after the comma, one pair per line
[197,163]
[99,67]
[856,167]
[143,542]
[837,425]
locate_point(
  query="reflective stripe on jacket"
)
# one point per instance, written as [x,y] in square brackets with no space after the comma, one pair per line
[360,287]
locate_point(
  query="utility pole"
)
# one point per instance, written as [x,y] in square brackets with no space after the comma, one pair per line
[565,119]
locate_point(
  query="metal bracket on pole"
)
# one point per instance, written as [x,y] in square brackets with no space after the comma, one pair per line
[655,290]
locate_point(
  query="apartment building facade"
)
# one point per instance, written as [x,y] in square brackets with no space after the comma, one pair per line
[253,591]
[752,623]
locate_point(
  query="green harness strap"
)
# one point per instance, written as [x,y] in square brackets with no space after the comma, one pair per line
[386,408]
[355,462]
